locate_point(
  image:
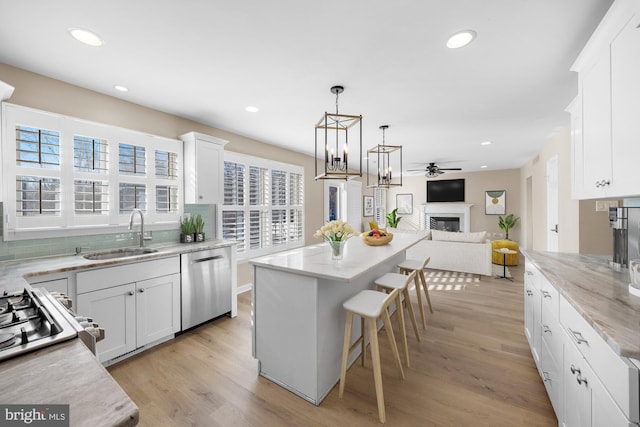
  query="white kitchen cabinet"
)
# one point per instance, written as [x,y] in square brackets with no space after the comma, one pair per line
[203,168]
[586,400]
[551,348]
[157,308]
[115,310]
[604,124]
[532,311]
[136,304]
[596,128]
[625,105]
[578,381]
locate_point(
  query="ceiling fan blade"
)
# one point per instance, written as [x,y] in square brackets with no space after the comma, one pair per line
[416,170]
[450,169]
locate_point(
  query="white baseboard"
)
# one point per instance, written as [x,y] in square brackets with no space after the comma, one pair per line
[244,288]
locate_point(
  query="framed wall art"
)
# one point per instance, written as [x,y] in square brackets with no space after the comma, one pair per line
[367,205]
[404,204]
[495,202]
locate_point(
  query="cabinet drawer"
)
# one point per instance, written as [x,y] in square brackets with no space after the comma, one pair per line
[103,278]
[618,375]
[550,299]
[552,376]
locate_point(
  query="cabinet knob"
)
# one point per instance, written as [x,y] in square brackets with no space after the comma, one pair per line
[574,369]
[130,292]
[545,376]
[546,329]
[141,290]
[200,197]
[581,380]
[546,294]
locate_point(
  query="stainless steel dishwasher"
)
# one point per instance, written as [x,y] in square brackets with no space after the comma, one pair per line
[206,285]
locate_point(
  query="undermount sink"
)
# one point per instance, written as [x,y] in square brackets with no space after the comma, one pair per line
[119,253]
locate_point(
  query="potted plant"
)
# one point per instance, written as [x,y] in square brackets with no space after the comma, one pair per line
[198,225]
[507,223]
[393,219]
[186,230]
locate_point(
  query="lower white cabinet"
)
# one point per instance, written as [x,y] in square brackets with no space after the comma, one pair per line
[587,382]
[135,313]
[586,400]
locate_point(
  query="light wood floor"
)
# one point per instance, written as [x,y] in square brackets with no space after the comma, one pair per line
[472,368]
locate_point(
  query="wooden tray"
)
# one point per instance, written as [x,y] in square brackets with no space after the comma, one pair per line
[377,241]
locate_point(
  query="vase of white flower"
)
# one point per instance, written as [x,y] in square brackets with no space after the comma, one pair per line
[336,233]
[337,249]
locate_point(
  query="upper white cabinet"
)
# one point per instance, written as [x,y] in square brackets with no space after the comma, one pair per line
[605,129]
[203,168]
[625,106]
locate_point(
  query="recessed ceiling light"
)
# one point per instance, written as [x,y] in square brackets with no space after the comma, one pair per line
[483,167]
[252,109]
[85,36]
[121,88]
[485,143]
[461,39]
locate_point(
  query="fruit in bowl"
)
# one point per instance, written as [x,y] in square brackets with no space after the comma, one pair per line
[377,237]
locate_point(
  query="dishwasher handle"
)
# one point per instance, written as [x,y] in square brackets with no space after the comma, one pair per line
[205,259]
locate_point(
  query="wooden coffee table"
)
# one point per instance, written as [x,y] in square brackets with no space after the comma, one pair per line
[505,252]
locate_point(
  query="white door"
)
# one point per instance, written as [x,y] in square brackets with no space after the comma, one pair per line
[552,204]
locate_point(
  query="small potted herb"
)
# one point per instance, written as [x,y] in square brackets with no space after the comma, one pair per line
[198,224]
[186,230]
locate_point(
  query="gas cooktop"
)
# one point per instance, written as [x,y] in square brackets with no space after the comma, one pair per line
[31,319]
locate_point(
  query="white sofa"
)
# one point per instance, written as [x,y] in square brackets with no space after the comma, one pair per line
[463,252]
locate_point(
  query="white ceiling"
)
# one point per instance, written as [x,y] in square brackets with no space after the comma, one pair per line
[206,60]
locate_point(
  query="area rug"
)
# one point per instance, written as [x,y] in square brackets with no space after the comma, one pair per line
[445,280]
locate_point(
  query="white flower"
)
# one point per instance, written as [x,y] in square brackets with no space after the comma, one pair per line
[335,231]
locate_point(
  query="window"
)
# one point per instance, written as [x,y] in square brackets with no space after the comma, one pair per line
[37,147]
[263,205]
[91,197]
[89,154]
[380,206]
[132,159]
[69,175]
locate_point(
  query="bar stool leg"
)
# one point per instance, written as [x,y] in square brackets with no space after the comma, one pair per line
[345,352]
[386,320]
[419,294]
[377,369]
[403,328]
[412,315]
[426,289]
[363,353]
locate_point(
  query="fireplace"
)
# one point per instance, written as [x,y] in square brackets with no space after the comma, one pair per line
[444,223]
[446,216]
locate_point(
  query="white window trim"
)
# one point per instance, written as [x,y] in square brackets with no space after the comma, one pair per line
[249,161]
[68,223]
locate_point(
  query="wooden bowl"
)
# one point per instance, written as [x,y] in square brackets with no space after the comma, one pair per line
[377,241]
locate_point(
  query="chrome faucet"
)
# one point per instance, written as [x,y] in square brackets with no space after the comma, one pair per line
[142,236]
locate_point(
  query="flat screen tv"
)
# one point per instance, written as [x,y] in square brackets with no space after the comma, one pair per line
[445,190]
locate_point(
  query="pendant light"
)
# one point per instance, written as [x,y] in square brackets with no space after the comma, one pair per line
[335,133]
[385,161]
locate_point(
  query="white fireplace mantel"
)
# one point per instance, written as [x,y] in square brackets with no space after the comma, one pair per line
[452,210]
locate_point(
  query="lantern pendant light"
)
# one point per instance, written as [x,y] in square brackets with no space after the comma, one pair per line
[384,162]
[335,134]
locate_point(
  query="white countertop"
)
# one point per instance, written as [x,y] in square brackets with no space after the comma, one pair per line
[14,272]
[315,260]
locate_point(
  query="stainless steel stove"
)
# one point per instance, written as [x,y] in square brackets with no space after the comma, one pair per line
[32,319]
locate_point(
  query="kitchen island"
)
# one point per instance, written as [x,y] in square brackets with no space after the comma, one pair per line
[298,320]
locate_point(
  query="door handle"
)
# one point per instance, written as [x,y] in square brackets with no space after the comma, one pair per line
[555,228]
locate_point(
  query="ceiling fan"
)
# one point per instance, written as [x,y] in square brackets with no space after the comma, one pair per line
[432,170]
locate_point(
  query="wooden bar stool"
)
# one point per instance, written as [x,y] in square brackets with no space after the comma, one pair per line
[391,281]
[370,306]
[409,265]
